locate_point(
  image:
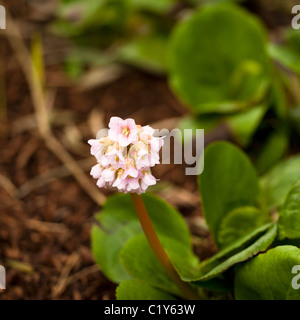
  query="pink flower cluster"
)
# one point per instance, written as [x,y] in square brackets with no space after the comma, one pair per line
[125,156]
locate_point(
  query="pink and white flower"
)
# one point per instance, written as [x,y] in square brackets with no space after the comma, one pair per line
[122,131]
[125,156]
[99,146]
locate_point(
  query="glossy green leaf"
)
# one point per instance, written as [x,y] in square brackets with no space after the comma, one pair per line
[218,60]
[146,52]
[119,222]
[272,151]
[238,223]
[229,181]
[244,124]
[269,276]
[136,290]
[285,56]
[289,216]
[140,262]
[208,273]
[239,251]
[277,182]
[206,122]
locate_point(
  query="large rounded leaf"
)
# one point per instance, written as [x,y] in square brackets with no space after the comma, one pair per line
[277,182]
[218,60]
[118,223]
[140,262]
[238,223]
[215,266]
[229,181]
[269,276]
[239,251]
[289,218]
[136,290]
[243,124]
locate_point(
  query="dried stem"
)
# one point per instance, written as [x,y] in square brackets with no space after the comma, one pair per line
[40,105]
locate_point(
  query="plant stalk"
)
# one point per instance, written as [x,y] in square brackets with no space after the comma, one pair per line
[158,249]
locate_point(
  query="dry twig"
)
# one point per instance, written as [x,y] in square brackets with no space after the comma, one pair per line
[40,105]
[49,176]
[43,226]
[59,288]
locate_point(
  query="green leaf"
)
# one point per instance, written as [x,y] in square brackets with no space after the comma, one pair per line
[206,122]
[272,151]
[228,181]
[279,99]
[288,54]
[277,182]
[243,249]
[84,20]
[106,246]
[289,216]
[244,124]
[268,276]
[215,1]
[285,56]
[239,222]
[159,6]
[146,52]
[136,290]
[209,272]
[293,39]
[218,60]
[119,223]
[294,119]
[140,262]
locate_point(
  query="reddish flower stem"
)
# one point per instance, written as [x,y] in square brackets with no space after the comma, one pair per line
[158,249]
